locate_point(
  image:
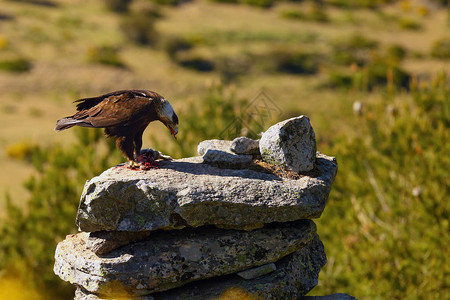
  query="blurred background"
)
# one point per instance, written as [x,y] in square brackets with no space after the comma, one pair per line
[372,75]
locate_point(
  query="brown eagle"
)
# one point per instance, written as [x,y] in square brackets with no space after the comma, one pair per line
[124,115]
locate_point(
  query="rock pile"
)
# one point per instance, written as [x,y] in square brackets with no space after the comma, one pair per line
[197,227]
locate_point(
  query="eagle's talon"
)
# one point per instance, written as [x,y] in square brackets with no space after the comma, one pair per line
[132,165]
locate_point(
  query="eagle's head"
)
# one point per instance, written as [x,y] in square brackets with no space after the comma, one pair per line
[168,117]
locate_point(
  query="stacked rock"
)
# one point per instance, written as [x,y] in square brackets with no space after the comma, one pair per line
[236,217]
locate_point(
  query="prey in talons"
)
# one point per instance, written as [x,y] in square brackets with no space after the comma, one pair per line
[147,160]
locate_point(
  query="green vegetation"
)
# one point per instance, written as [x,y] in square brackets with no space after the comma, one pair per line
[385,226]
[315,13]
[119,6]
[105,55]
[28,239]
[392,175]
[441,49]
[295,62]
[139,27]
[354,49]
[409,24]
[15,65]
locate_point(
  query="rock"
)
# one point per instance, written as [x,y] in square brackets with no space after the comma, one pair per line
[187,192]
[169,259]
[217,153]
[206,145]
[226,160]
[337,296]
[296,275]
[291,144]
[244,145]
[258,271]
[102,242]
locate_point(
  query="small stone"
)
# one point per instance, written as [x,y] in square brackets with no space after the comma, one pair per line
[417,191]
[226,160]
[244,145]
[291,144]
[258,271]
[206,145]
[358,108]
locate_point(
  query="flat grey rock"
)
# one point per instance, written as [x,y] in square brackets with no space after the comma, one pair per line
[245,145]
[226,160]
[102,242]
[290,144]
[168,259]
[187,192]
[206,145]
[257,272]
[295,275]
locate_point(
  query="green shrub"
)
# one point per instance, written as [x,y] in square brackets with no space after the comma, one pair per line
[442,2]
[396,53]
[295,62]
[197,63]
[105,55]
[139,27]
[315,13]
[293,14]
[4,42]
[441,49]
[409,24]
[358,3]
[225,1]
[21,151]
[15,65]
[382,74]
[355,49]
[340,80]
[46,3]
[170,2]
[258,3]
[318,13]
[231,67]
[119,6]
[174,45]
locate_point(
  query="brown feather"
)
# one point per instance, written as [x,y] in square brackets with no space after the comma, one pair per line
[124,115]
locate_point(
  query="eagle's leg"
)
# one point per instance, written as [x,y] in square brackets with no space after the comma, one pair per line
[126,145]
[145,159]
[137,146]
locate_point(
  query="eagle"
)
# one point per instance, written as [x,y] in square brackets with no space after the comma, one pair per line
[124,115]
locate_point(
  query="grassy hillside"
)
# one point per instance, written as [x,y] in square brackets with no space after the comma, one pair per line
[209,57]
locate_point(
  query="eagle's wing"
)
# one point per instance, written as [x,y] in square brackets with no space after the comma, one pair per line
[118,108]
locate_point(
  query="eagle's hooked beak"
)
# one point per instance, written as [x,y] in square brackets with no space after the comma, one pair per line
[173,132]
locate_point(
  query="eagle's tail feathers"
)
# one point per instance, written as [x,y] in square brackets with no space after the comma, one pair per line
[66,123]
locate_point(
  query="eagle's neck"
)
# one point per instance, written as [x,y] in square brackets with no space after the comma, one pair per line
[163,109]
